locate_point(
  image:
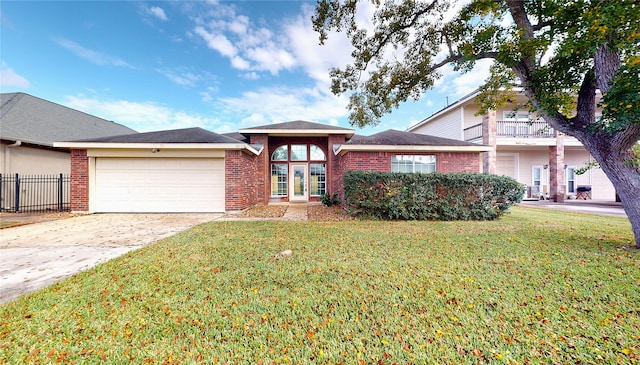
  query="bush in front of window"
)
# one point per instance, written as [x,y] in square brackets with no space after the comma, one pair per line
[330,200]
[435,196]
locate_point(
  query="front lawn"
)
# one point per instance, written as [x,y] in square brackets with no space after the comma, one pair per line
[536,286]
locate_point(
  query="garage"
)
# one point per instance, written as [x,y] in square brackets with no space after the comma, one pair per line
[154,185]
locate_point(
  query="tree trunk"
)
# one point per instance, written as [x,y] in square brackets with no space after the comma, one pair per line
[624,177]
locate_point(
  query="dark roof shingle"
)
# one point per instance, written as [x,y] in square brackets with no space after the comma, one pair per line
[187,135]
[33,120]
[393,137]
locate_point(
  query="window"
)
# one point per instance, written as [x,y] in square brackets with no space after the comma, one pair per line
[298,152]
[537,176]
[279,179]
[520,125]
[516,116]
[280,154]
[409,163]
[318,176]
[571,180]
[316,153]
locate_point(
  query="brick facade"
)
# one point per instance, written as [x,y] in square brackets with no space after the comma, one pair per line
[79,181]
[248,177]
[241,180]
[469,162]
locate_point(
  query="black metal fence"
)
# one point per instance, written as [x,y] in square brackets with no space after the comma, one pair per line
[34,193]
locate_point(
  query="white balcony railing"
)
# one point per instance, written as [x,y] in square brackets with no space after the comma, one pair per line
[524,129]
[509,128]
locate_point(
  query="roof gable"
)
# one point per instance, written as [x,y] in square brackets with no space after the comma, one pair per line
[298,127]
[33,120]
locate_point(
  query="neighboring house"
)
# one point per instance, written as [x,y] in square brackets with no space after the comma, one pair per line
[523,147]
[29,126]
[195,170]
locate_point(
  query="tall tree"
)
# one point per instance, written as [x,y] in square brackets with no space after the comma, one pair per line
[560,52]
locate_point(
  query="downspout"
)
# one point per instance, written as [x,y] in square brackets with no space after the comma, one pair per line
[7,156]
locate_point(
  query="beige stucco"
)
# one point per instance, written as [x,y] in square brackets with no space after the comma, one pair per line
[29,160]
[528,158]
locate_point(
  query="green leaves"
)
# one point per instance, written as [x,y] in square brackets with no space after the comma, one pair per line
[437,196]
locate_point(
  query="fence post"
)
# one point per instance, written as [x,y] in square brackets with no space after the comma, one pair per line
[17,200]
[60,193]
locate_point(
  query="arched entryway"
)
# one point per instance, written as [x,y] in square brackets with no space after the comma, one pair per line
[298,172]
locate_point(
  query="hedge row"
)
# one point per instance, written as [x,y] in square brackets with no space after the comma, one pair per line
[436,196]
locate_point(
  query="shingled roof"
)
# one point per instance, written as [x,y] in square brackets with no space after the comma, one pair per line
[393,137]
[187,135]
[298,128]
[33,120]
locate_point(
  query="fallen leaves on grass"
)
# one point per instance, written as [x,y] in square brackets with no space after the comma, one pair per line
[354,292]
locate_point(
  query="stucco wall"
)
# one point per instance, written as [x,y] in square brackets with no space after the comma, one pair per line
[26,160]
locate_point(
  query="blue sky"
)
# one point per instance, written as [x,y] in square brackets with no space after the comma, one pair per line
[219,65]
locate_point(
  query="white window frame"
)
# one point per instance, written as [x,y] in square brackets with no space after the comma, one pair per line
[412,159]
[571,168]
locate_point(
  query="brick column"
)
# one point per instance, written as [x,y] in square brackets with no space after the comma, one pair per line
[489,128]
[79,181]
[335,175]
[263,173]
[556,169]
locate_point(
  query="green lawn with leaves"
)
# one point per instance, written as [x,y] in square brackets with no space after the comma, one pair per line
[536,286]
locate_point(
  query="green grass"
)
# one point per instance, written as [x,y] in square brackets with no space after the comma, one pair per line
[536,286]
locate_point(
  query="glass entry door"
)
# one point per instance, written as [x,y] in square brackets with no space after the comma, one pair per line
[298,176]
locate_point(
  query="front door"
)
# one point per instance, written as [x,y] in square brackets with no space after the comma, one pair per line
[298,190]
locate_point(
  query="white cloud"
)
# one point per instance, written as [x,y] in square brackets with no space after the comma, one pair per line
[247,47]
[283,104]
[460,84]
[9,77]
[142,116]
[316,60]
[98,58]
[217,42]
[158,12]
[189,77]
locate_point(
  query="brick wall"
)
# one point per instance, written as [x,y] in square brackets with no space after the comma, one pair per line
[241,187]
[79,181]
[381,161]
[335,166]
[458,162]
[263,170]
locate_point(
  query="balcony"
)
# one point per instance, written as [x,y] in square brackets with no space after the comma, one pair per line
[510,128]
[524,129]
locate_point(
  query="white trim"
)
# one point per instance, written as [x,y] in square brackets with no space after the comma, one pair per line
[409,148]
[448,108]
[150,146]
[461,135]
[305,187]
[566,180]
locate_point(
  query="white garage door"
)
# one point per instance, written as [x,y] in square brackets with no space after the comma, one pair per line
[168,185]
[506,165]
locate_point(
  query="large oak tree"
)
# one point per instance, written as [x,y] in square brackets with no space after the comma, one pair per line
[559,52]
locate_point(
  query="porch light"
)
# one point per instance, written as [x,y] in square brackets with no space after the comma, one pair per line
[546,167]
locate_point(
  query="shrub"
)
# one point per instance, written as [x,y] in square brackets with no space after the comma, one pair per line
[330,200]
[436,196]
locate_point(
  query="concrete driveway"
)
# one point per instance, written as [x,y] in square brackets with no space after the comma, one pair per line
[36,255]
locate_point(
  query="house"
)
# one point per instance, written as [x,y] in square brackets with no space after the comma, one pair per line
[523,147]
[195,170]
[29,126]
